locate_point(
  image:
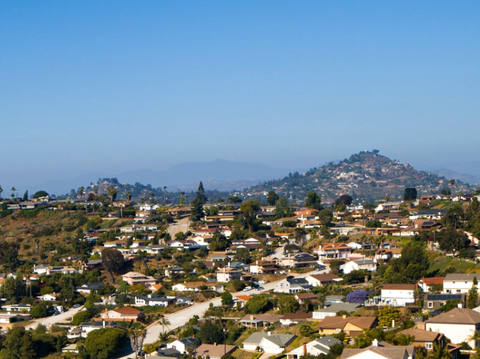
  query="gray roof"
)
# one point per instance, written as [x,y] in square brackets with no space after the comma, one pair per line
[279,339]
[337,307]
[328,341]
[461,276]
[364,262]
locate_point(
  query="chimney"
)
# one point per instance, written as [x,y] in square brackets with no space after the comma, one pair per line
[375,343]
[344,316]
[269,333]
[251,316]
[304,349]
[214,344]
[460,305]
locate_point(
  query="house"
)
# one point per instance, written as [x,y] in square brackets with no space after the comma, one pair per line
[259,320]
[155,287]
[217,288]
[122,314]
[333,309]
[380,351]
[333,251]
[361,264]
[459,282]
[134,278]
[20,308]
[189,287]
[183,301]
[435,301]
[48,297]
[316,347]
[153,301]
[214,351]
[298,260]
[459,325]
[185,345]
[318,280]
[265,267]
[398,295]
[353,326]
[269,343]
[226,275]
[294,318]
[424,338]
[292,285]
[89,288]
[425,284]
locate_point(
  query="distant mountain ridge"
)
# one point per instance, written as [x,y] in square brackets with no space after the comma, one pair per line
[366,176]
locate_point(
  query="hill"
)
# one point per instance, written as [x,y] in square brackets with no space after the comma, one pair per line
[366,176]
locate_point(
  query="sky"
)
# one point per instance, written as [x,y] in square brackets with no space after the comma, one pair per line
[116,86]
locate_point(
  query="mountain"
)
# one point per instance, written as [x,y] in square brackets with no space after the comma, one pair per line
[366,176]
[470,179]
[219,174]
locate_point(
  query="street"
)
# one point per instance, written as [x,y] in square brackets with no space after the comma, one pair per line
[54,319]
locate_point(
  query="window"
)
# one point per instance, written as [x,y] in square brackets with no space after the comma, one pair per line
[459,291]
[428,346]
[430,304]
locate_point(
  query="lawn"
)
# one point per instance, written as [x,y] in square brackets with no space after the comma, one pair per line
[439,264]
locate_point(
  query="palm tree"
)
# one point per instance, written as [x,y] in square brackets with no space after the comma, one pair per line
[164,322]
[439,352]
[80,192]
[1,190]
[112,192]
[27,272]
[129,196]
[13,192]
[164,195]
[136,335]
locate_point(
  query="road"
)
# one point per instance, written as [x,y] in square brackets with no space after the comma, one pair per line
[54,319]
[182,225]
[180,318]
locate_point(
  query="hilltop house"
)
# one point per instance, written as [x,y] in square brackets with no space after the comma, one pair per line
[291,285]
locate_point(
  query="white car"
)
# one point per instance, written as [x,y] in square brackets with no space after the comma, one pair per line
[246,289]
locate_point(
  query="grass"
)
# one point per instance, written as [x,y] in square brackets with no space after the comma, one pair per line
[242,354]
[440,264]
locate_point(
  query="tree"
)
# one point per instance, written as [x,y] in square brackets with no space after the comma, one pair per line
[258,304]
[249,211]
[128,195]
[313,200]
[282,208]
[272,198]
[103,343]
[9,255]
[13,192]
[112,260]
[18,344]
[81,317]
[325,216]
[200,195]
[439,352]
[287,304]
[227,299]
[39,194]
[388,316]
[112,192]
[41,310]
[410,194]
[357,296]
[12,288]
[344,199]
[25,196]
[136,335]
[164,322]
[210,332]
[1,190]
[80,192]
[472,299]
[452,240]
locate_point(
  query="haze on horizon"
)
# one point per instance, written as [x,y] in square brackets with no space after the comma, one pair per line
[118,86]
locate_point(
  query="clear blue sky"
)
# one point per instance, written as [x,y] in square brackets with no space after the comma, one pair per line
[112,86]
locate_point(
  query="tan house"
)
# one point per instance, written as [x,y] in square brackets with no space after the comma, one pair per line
[135,278]
[424,338]
[214,351]
[353,326]
[226,275]
[122,314]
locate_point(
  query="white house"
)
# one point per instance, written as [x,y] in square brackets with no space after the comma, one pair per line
[380,351]
[48,297]
[459,282]
[361,264]
[398,295]
[459,325]
[153,301]
[292,285]
[267,342]
[184,345]
[316,347]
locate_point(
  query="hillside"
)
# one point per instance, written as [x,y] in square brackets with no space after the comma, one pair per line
[364,176]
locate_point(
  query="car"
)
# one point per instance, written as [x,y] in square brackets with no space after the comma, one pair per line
[76,305]
[246,289]
[261,282]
